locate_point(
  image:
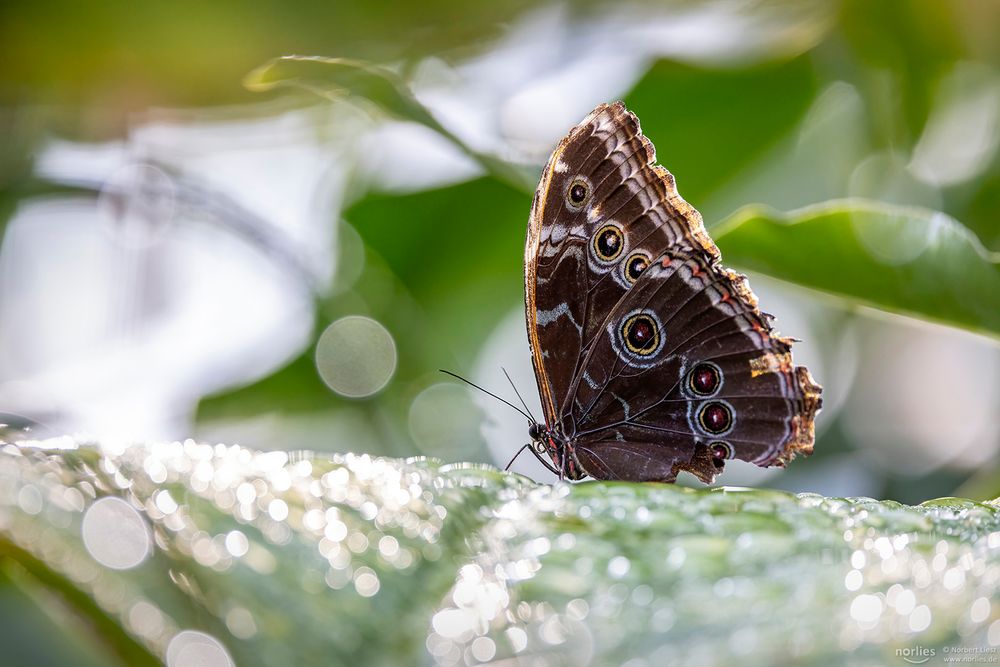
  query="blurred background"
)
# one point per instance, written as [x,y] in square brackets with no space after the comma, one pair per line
[184,257]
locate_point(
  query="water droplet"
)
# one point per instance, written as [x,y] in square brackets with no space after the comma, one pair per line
[190,648]
[240,622]
[29,499]
[237,543]
[980,610]
[905,602]
[954,579]
[388,546]
[920,619]
[993,634]
[245,493]
[518,638]
[454,623]
[146,619]
[578,608]
[115,534]
[366,582]
[483,649]
[336,530]
[277,509]
[642,595]
[165,502]
[618,567]
[866,609]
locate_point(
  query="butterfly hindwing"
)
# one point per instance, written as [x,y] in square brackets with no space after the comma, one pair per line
[639,461]
[689,363]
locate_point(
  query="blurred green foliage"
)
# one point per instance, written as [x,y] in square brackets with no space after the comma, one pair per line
[716,126]
[726,130]
[191,53]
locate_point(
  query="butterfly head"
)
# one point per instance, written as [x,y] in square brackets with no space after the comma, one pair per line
[545,442]
[537,432]
[551,448]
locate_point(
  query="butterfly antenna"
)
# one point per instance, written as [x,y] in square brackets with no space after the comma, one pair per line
[526,409]
[488,393]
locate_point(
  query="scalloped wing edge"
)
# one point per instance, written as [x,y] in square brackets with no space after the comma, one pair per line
[802,436]
[803,432]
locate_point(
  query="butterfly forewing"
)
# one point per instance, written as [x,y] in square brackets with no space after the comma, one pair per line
[650,357]
[601,214]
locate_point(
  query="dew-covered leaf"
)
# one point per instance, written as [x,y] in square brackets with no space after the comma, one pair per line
[240,557]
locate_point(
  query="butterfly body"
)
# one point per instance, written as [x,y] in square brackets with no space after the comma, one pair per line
[650,357]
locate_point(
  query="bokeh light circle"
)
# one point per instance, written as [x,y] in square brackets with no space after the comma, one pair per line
[115,534]
[146,619]
[446,422]
[356,356]
[190,648]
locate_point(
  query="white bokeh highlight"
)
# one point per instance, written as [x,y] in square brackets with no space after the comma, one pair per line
[190,648]
[115,534]
[356,356]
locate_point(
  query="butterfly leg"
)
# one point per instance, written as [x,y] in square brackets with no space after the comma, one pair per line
[537,456]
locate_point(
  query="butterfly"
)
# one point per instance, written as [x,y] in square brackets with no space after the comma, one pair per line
[650,356]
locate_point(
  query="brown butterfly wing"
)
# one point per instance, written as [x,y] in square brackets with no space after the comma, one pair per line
[710,376]
[602,204]
[570,285]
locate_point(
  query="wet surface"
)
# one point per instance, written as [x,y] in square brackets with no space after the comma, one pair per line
[216,555]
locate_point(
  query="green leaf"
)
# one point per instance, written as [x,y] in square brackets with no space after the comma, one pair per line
[909,261]
[349,559]
[340,78]
[423,237]
[65,602]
